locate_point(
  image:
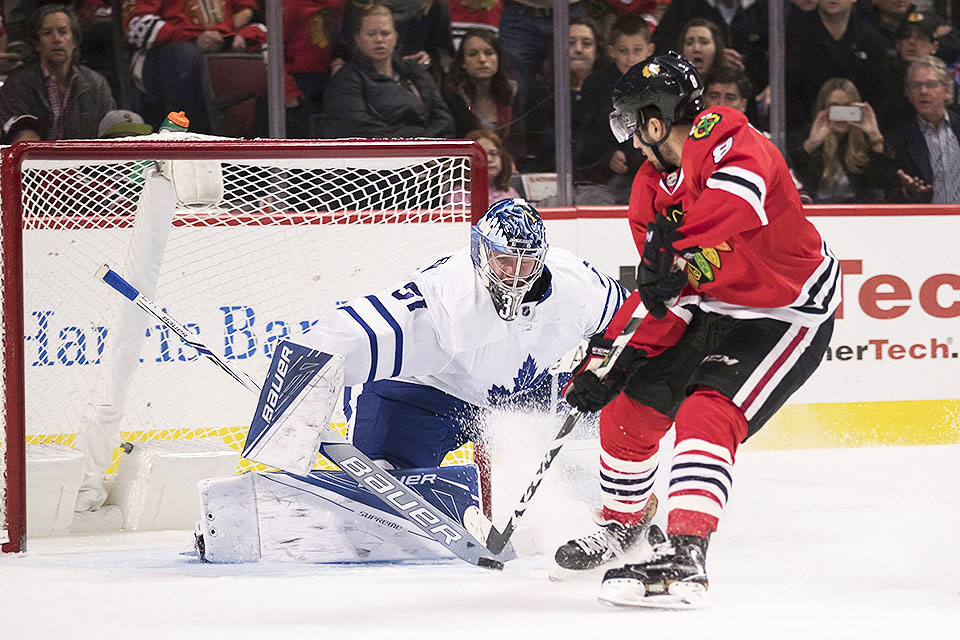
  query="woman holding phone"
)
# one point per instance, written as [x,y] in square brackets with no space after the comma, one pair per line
[844,158]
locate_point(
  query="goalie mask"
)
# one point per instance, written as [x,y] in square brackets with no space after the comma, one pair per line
[508,246]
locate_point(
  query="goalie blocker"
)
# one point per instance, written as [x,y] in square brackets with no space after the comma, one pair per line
[295,408]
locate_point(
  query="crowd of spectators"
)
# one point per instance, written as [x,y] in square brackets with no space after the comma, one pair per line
[380,94]
[871,85]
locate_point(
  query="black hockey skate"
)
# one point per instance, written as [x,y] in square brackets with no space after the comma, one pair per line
[676,576]
[610,542]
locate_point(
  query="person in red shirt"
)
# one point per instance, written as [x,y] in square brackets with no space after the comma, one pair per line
[311,30]
[171,37]
[740,291]
[474,14]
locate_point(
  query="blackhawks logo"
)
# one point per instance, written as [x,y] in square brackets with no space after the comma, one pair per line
[651,69]
[704,126]
[702,264]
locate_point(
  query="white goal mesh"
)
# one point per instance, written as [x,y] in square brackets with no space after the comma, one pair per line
[301,226]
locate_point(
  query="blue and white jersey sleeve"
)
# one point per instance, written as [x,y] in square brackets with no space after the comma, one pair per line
[584,291]
[440,329]
[383,335]
[610,292]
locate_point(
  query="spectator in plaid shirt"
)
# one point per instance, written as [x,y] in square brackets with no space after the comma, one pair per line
[53,98]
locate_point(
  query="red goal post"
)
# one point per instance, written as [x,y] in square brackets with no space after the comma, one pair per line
[301,226]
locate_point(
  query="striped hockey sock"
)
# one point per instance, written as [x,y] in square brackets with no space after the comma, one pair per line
[625,487]
[700,481]
[709,428]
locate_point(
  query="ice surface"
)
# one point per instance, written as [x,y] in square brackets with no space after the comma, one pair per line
[845,543]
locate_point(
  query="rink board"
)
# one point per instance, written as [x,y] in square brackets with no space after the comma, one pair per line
[887,379]
[173,395]
[890,376]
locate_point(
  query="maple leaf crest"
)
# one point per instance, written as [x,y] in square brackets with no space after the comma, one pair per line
[527,378]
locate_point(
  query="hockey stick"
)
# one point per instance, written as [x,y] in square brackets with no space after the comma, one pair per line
[364,471]
[131,293]
[496,540]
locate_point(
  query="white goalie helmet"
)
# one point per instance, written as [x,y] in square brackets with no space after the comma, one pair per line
[508,247]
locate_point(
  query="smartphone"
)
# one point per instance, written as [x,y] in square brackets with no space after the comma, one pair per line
[841,113]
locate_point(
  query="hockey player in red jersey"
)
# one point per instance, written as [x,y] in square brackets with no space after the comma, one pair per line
[741,293]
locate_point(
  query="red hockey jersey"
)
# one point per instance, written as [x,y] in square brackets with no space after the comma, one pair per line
[311,29]
[476,14]
[750,251]
[151,23]
[653,192]
[310,32]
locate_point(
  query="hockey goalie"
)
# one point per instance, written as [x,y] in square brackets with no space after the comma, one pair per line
[418,367]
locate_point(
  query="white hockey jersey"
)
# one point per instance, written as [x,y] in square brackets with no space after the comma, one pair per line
[439,328]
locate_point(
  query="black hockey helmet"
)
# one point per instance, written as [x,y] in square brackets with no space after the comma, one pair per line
[667,81]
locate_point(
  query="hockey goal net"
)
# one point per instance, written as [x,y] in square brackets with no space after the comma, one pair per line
[300,227]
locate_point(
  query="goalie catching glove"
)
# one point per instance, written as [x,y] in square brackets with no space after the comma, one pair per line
[588,392]
[658,283]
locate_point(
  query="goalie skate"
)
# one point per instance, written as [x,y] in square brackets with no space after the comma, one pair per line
[675,578]
[612,542]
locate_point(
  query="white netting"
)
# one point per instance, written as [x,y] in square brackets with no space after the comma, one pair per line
[292,237]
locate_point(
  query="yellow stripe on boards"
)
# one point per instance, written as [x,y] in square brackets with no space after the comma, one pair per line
[801,426]
[861,424]
[233,437]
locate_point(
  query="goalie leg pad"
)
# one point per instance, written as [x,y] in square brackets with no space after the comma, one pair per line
[228,519]
[325,517]
[295,407]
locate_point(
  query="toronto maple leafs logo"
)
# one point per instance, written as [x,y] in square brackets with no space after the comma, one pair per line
[527,379]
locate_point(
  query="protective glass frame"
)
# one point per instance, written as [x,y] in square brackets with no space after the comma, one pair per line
[516,268]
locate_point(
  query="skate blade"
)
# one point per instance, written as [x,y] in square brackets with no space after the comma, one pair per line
[559,574]
[631,593]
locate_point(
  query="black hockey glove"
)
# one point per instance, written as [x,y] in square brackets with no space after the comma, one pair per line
[588,392]
[657,282]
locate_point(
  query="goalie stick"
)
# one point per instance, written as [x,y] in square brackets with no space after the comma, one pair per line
[494,539]
[131,293]
[348,458]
